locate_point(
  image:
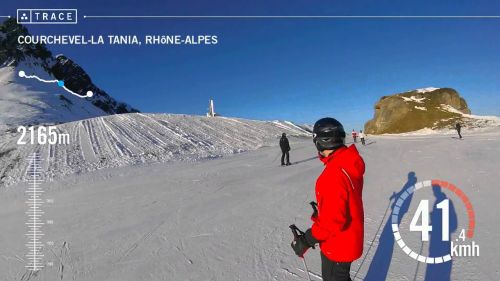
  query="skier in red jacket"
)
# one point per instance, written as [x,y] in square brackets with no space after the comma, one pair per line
[339,223]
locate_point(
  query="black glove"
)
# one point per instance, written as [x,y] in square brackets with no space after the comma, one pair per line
[303,242]
[314,215]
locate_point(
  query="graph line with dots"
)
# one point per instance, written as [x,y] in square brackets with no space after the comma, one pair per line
[59,83]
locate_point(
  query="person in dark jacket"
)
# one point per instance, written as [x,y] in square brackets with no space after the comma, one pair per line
[285,150]
[458,127]
[338,224]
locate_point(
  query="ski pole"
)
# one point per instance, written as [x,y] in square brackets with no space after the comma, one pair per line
[305,267]
[376,233]
[296,231]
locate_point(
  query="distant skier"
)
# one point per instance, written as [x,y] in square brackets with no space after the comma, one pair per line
[339,223]
[354,135]
[285,150]
[458,127]
[361,137]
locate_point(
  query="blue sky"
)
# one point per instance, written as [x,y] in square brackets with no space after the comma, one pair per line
[299,70]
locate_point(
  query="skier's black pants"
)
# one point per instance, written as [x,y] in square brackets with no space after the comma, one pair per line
[363,141]
[283,154]
[335,271]
[459,134]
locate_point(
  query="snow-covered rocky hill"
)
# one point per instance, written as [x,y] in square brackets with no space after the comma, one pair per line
[127,139]
[99,136]
[471,124]
[29,102]
[425,110]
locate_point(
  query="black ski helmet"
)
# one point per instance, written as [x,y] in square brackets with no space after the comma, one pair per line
[328,133]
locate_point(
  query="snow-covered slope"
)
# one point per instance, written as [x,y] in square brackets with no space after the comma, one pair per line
[125,139]
[227,219]
[28,101]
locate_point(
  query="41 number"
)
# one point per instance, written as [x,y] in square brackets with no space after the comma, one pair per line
[425,227]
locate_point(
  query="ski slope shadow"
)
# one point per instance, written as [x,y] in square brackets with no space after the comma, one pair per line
[370,143]
[437,247]
[306,160]
[379,267]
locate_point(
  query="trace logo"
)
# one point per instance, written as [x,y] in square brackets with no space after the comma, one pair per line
[47,16]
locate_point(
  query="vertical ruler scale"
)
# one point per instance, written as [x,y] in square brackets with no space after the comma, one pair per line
[34,223]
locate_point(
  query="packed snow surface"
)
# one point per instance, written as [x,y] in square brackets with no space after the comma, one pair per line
[228,218]
[131,139]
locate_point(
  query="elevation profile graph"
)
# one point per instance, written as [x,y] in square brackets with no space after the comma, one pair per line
[60,83]
[34,213]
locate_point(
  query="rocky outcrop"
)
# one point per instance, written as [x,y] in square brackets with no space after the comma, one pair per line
[433,108]
[11,52]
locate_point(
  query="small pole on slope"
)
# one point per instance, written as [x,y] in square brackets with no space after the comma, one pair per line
[295,231]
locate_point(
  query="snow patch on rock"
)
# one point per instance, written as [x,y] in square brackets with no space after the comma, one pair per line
[426,90]
[413,99]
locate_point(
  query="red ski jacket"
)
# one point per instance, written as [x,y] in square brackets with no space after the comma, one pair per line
[339,225]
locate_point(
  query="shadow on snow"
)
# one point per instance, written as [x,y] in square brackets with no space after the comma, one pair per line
[379,266]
